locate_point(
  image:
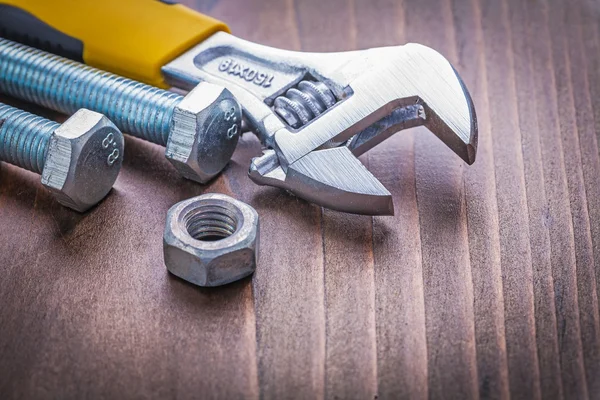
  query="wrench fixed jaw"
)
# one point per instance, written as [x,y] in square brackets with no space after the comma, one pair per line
[398,78]
[463,141]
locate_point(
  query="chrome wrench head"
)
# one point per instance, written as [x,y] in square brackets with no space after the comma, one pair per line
[317,112]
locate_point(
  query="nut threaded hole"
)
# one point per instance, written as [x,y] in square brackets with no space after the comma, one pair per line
[210,223]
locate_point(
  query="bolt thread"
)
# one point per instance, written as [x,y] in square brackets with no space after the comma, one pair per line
[303,103]
[24,138]
[66,86]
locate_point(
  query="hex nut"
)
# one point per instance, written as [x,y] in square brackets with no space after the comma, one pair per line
[211,240]
[84,159]
[205,129]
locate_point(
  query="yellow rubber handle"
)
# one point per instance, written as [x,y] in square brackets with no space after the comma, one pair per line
[132,38]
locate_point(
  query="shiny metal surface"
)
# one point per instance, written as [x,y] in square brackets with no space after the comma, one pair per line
[303,103]
[66,86]
[24,138]
[211,240]
[84,158]
[79,160]
[138,109]
[204,132]
[377,92]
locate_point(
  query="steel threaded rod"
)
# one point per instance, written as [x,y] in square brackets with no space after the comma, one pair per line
[66,86]
[24,138]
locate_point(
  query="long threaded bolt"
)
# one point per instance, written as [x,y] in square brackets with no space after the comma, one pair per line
[79,160]
[199,130]
[24,138]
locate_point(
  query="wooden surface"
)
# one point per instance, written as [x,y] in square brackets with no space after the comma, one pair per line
[484,284]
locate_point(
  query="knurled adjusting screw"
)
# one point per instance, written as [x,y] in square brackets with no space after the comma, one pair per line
[200,131]
[79,160]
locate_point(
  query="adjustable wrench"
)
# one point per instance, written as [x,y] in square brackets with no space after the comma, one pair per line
[314,112]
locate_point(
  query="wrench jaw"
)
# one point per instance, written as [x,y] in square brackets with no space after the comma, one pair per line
[463,141]
[332,178]
[398,120]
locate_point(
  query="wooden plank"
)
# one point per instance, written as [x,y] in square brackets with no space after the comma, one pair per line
[482,212]
[583,172]
[401,336]
[549,81]
[447,277]
[586,84]
[545,312]
[350,298]
[517,275]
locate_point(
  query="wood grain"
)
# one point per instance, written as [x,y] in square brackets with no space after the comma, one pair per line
[483,285]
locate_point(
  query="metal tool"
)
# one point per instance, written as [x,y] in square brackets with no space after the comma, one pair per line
[200,131]
[211,240]
[314,112]
[79,160]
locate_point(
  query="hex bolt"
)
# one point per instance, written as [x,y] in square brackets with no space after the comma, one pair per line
[79,160]
[200,131]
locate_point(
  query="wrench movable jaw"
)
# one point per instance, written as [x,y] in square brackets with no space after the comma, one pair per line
[333,178]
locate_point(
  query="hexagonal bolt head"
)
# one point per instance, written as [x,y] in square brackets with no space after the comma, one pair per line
[205,129]
[84,158]
[211,240]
